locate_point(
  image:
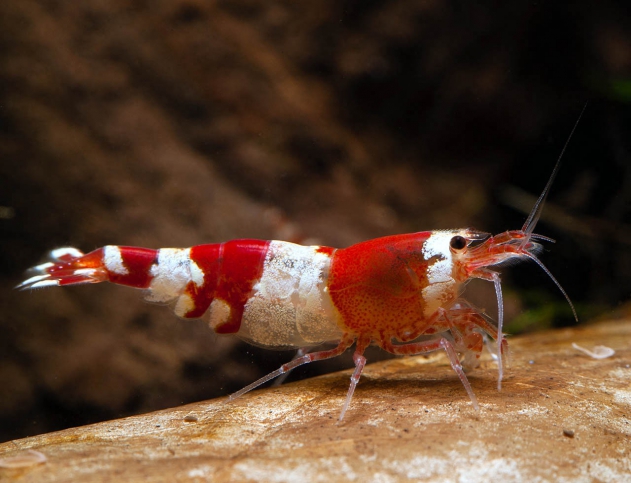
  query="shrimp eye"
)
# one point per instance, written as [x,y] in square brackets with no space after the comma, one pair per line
[458,242]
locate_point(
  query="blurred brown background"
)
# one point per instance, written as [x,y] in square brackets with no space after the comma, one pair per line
[179,122]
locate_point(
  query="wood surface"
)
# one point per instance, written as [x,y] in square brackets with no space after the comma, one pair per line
[561,416]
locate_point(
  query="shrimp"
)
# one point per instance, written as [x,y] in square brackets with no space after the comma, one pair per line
[401,292]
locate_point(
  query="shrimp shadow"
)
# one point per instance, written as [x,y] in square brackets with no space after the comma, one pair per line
[423,389]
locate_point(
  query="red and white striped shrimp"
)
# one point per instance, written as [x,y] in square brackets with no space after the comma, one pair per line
[401,292]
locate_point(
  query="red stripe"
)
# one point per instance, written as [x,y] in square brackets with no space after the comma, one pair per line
[64,272]
[326,250]
[207,258]
[230,271]
[93,259]
[138,262]
[242,267]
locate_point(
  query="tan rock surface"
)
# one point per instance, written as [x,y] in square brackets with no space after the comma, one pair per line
[171,123]
[561,416]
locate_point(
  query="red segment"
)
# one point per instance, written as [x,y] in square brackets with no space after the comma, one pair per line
[241,267]
[208,259]
[72,279]
[67,257]
[138,262]
[326,250]
[93,259]
[64,272]
[377,286]
[230,271]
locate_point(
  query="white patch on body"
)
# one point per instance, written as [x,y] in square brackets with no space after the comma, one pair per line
[196,274]
[33,280]
[171,274]
[44,283]
[437,245]
[442,286]
[113,260]
[219,313]
[43,267]
[183,305]
[86,272]
[60,253]
[290,306]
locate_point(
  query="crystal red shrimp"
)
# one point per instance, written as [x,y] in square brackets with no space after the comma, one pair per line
[399,292]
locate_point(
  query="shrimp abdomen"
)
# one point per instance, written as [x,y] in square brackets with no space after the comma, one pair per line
[270,293]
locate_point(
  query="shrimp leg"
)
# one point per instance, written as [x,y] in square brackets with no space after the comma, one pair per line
[299,353]
[360,362]
[416,348]
[344,344]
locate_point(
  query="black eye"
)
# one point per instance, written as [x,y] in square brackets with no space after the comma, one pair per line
[458,242]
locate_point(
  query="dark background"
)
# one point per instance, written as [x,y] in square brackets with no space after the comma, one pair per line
[179,122]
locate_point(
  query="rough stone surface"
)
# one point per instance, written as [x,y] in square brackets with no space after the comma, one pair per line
[561,416]
[169,123]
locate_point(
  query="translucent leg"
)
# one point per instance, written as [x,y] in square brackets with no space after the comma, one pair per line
[344,344]
[455,364]
[360,362]
[500,326]
[494,277]
[430,346]
[299,353]
[468,317]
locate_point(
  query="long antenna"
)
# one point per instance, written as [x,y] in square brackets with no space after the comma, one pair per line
[556,282]
[534,215]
